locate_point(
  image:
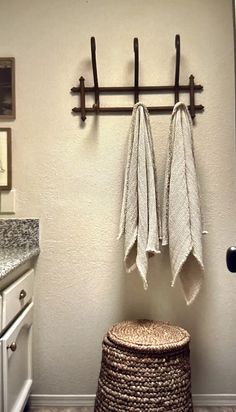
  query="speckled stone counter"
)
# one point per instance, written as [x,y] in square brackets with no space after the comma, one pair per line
[19,242]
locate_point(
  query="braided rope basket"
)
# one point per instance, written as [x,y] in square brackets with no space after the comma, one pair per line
[145,368]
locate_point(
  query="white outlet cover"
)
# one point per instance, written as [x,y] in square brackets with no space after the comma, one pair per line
[8,202]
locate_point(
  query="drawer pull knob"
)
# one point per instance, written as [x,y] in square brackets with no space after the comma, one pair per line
[12,346]
[22,294]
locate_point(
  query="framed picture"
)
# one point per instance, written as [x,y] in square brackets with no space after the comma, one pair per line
[7,88]
[5,159]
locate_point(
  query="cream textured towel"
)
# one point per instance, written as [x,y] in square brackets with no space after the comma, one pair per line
[139,221]
[181,219]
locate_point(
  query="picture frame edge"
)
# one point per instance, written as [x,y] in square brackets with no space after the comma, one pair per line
[13,115]
[8,187]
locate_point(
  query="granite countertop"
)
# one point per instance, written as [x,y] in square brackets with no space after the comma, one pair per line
[10,259]
[19,242]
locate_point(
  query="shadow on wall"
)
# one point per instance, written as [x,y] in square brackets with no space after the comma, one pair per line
[159,298]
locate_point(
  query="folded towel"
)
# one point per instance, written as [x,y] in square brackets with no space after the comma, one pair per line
[139,221]
[181,219]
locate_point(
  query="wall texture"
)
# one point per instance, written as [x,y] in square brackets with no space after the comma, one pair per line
[70,176]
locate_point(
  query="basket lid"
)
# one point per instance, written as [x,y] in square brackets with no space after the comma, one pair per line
[148,335]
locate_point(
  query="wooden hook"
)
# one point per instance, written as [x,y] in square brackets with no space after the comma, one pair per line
[95,74]
[192,99]
[82,99]
[177,65]
[136,71]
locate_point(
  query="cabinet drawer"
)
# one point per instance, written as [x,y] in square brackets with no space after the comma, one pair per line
[16,296]
[0,318]
[16,347]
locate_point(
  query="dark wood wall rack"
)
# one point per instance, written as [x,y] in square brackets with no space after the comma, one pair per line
[97,90]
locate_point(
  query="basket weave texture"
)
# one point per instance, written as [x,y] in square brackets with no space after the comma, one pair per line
[145,368]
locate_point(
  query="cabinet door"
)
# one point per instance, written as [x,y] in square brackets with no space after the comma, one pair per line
[1,372]
[16,297]
[16,346]
[0,316]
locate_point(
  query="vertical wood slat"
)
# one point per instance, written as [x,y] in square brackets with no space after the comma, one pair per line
[192,97]
[82,98]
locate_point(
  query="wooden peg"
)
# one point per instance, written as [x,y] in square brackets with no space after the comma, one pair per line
[95,74]
[192,97]
[177,65]
[136,70]
[82,98]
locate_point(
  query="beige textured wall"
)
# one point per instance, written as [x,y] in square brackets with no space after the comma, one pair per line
[70,176]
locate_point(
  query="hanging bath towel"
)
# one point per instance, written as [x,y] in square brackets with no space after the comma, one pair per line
[181,219]
[139,221]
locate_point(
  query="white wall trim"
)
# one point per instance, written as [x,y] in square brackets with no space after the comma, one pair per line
[88,400]
[222,399]
[62,400]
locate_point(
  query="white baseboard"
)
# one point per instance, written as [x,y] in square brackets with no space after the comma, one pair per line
[62,400]
[223,400]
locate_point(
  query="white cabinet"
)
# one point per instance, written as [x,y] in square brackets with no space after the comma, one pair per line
[16,296]
[16,343]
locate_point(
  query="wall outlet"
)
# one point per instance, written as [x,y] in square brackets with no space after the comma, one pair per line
[8,202]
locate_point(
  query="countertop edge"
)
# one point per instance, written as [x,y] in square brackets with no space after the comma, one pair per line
[19,261]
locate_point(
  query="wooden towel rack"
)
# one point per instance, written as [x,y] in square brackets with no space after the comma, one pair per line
[97,90]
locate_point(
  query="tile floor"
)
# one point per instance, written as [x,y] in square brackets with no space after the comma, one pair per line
[88,409]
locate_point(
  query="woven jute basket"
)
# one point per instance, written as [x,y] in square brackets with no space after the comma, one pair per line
[145,367]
